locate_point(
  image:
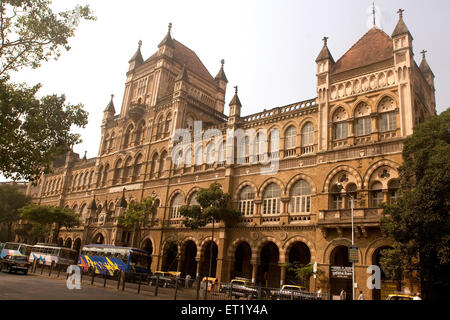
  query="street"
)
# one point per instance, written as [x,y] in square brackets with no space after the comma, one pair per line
[41,287]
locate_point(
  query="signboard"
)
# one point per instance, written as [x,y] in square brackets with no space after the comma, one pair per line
[341,272]
[353,254]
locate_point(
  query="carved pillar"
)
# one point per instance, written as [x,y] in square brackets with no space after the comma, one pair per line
[282,275]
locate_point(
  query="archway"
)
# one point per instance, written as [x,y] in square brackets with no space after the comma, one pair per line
[210,249]
[269,270]
[189,265]
[99,239]
[148,246]
[68,243]
[387,286]
[170,257]
[77,244]
[242,266]
[298,255]
[341,272]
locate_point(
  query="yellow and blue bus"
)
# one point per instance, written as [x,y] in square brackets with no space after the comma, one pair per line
[109,259]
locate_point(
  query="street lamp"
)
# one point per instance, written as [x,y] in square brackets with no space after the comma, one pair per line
[353,240]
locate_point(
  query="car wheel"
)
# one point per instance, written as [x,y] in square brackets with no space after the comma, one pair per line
[9,269]
[25,272]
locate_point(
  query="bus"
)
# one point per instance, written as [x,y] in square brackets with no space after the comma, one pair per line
[110,259]
[13,248]
[48,253]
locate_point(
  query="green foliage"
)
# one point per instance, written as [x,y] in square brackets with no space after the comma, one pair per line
[394,262]
[31,32]
[11,199]
[419,222]
[213,203]
[43,218]
[34,131]
[303,272]
[137,213]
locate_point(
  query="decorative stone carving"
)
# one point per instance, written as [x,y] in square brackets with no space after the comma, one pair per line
[340,115]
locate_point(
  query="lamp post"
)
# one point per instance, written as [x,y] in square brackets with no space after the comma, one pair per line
[210,259]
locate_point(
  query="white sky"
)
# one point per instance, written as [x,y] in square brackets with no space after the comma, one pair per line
[269,47]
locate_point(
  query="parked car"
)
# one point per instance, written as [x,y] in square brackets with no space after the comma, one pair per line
[292,292]
[14,263]
[400,296]
[166,279]
[243,288]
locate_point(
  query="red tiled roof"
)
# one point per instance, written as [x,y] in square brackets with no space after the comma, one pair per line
[375,46]
[189,58]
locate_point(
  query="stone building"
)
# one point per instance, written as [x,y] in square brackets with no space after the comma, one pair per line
[343,144]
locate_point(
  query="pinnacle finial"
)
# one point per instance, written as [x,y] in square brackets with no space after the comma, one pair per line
[235,89]
[400,13]
[325,40]
[222,62]
[373,13]
[170,27]
[140,44]
[112,96]
[423,53]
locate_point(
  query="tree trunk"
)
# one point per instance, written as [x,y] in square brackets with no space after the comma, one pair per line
[9,235]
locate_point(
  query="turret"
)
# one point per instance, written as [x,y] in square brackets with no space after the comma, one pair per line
[166,47]
[136,60]
[235,108]
[110,111]
[426,70]
[221,82]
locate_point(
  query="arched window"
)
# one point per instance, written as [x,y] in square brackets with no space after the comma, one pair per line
[290,141]
[160,128]
[308,138]
[247,201]
[127,137]
[340,124]
[75,182]
[210,155]
[140,133]
[351,190]
[376,194]
[163,164]
[127,170]
[154,166]
[99,178]
[105,174]
[363,123]
[260,145]
[111,142]
[301,197]
[271,199]
[177,202]
[137,167]
[336,198]
[388,115]
[117,172]
[394,191]
[193,200]
[198,159]
[105,143]
[91,178]
[86,179]
[168,125]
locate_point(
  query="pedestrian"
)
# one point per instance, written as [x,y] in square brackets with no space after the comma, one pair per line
[417,296]
[187,281]
[319,293]
[361,296]
[343,295]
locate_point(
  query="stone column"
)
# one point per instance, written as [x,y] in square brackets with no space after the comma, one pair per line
[282,275]
[254,271]
[197,274]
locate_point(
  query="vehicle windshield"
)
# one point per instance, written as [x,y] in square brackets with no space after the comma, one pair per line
[25,250]
[12,246]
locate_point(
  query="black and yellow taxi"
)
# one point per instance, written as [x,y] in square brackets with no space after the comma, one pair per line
[14,263]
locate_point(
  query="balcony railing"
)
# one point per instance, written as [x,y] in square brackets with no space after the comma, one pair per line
[343,216]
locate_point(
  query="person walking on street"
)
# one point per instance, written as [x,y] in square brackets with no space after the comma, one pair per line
[319,293]
[187,281]
[343,295]
[361,296]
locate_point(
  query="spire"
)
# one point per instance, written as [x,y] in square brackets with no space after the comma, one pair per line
[183,75]
[324,53]
[235,101]
[401,27]
[110,106]
[424,67]
[221,74]
[137,57]
[373,14]
[123,202]
[167,41]
[85,158]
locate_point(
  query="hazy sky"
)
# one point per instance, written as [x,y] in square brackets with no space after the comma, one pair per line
[269,47]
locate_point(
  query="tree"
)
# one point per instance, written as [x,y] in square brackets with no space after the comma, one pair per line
[137,214]
[11,199]
[34,131]
[50,218]
[419,221]
[213,203]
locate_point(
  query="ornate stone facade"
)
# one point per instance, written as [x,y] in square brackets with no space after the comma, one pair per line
[350,135]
